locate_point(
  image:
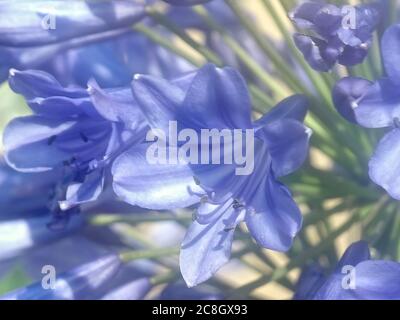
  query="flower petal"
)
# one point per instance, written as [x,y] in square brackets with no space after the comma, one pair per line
[206,248]
[288,144]
[295,107]
[346,95]
[379,106]
[356,253]
[384,166]
[391,52]
[29,135]
[81,192]
[276,218]
[153,186]
[124,109]
[158,100]
[313,50]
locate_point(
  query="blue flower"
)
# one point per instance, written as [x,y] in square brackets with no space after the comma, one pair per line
[69,132]
[337,34]
[216,98]
[356,277]
[376,105]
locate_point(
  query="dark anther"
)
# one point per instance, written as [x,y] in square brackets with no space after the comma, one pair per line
[51,140]
[227,229]
[236,204]
[84,137]
[69,162]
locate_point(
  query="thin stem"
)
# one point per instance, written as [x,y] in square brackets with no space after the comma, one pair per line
[251,64]
[148,254]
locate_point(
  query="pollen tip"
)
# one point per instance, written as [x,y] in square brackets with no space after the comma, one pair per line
[12,72]
[354,105]
[136,76]
[64,205]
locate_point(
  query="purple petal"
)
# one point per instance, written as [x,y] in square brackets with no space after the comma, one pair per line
[391,52]
[124,109]
[276,218]
[313,50]
[81,192]
[206,248]
[217,98]
[379,106]
[294,107]
[347,94]
[356,253]
[153,186]
[384,166]
[288,144]
[29,135]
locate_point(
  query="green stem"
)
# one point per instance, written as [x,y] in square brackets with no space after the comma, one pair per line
[148,254]
[107,219]
[268,50]
[250,63]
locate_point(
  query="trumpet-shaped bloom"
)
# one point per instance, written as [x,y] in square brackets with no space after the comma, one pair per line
[376,105]
[69,132]
[356,277]
[218,99]
[335,34]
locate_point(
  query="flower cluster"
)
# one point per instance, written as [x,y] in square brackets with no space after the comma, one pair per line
[337,34]
[123,121]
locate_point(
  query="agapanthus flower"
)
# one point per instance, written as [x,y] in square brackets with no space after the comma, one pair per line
[335,34]
[70,133]
[216,98]
[376,105]
[356,277]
